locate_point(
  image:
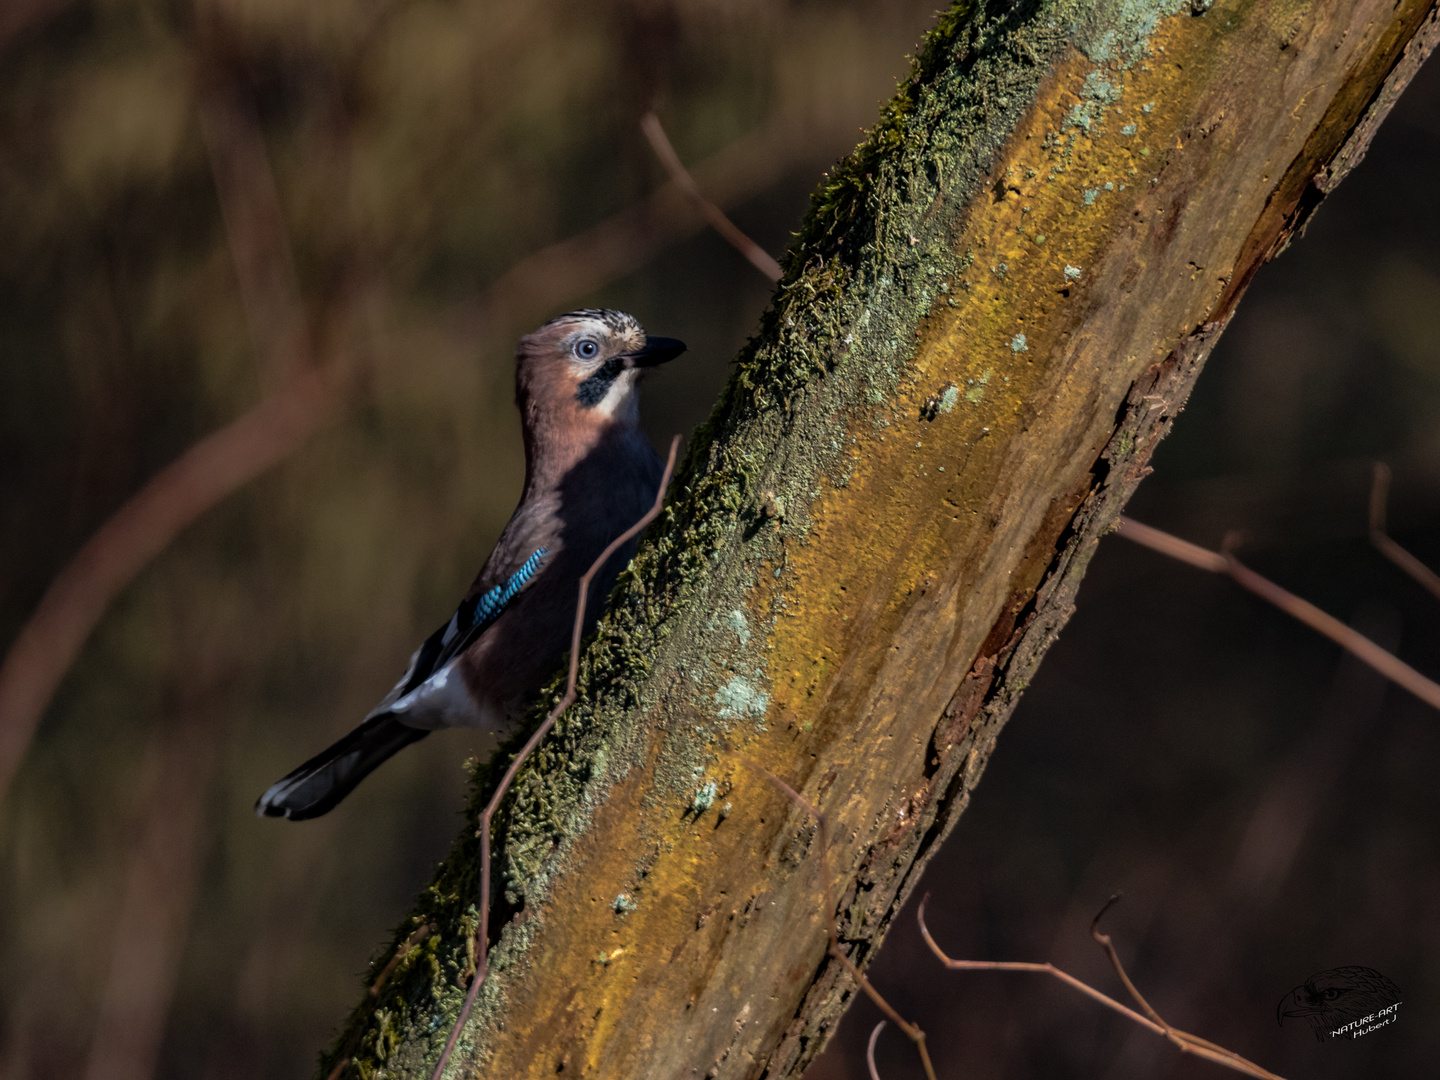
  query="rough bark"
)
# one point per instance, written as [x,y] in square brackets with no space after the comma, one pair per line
[995,310]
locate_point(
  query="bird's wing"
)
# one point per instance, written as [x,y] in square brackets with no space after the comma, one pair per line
[471,619]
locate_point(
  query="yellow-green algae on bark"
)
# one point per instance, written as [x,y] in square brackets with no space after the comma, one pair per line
[994,310]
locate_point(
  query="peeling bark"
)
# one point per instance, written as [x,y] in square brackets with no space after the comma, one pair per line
[997,307]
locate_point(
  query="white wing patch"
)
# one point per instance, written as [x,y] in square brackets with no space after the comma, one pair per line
[432,693]
[442,700]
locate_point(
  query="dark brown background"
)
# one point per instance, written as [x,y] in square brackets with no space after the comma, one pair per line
[1263,804]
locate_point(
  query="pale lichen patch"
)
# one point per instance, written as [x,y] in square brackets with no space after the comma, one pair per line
[739,624]
[704,797]
[740,698]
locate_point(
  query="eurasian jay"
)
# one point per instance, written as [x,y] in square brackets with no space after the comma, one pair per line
[590,473]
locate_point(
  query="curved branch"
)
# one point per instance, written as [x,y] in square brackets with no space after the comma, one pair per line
[870,1050]
[1380,537]
[680,176]
[1357,644]
[1187,1043]
[142,528]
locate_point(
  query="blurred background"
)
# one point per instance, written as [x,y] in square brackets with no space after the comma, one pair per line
[330,222]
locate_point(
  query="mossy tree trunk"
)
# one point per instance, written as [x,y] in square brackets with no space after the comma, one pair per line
[996,308]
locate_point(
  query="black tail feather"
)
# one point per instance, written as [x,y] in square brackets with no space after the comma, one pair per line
[317,786]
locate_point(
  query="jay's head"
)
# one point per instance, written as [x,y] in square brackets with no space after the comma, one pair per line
[581,370]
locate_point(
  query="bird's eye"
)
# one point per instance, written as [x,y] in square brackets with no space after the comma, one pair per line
[586,349]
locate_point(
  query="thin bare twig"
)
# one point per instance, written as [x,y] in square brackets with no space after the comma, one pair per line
[1379,496]
[406,947]
[870,1050]
[482,924]
[912,1031]
[626,241]
[421,932]
[1190,1044]
[660,143]
[1106,944]
[1021,965]
[1393,668]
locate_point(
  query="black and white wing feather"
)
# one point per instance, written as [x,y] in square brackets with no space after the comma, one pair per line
[330,775]
[430,664]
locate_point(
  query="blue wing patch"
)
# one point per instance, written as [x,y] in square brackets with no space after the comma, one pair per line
[470,620]
[493,602]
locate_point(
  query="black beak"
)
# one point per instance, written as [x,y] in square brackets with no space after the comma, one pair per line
[657,351]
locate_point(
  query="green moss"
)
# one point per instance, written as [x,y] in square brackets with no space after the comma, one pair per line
[874,252]
[976,393]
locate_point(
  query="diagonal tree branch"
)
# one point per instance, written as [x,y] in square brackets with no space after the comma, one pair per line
[992,314]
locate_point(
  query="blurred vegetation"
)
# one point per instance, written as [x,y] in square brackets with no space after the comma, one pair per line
[419,151]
